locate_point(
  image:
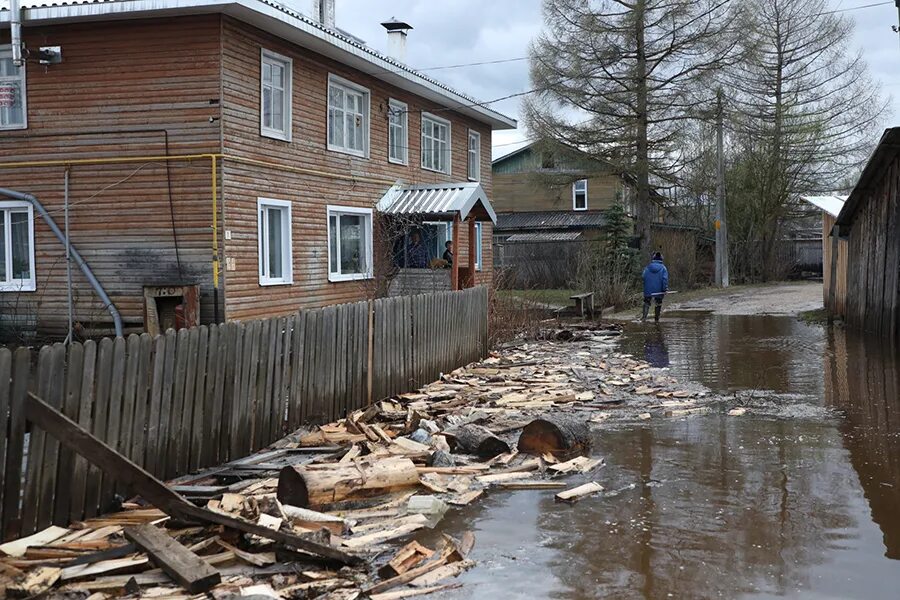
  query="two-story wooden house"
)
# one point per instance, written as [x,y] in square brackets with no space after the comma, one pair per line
[229,151]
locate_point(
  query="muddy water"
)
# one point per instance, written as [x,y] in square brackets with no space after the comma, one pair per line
[799,498]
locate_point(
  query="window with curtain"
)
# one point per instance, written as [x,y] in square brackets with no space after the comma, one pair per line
[275,101]
[349,243]
[478,264]
[348,117]
[275,263]
[16,247]
[12,92]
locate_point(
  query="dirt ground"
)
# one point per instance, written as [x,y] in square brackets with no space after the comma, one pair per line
[777,299]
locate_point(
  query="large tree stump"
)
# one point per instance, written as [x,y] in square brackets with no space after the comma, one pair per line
[474,439]
[315,485]
[564,436]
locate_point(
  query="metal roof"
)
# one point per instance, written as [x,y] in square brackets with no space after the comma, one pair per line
[550,236]
[442,201]
[553,219]
[887,150]
[276,19]
[830,204]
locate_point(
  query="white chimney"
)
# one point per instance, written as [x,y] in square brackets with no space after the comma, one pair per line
[396,31]
[323,10]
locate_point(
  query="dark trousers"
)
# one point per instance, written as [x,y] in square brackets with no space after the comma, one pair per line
[657,309]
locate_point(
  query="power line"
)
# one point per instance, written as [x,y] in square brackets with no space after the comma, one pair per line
[475,64]
[843,10]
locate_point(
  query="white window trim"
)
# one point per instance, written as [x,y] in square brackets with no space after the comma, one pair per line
[431,117]
[269,132]
[6,52]
[574,183]
[18,285]
[478,249]
[287,252]
[477,175]
[404,108]
[346,83]
[336,209]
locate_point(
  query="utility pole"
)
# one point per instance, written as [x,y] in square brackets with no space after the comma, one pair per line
[721,224]
[897,2]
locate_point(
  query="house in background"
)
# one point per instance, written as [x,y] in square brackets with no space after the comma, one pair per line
[834,253]
[219,161]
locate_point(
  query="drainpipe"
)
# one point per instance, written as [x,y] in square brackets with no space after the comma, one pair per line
[15,32]
[114,313]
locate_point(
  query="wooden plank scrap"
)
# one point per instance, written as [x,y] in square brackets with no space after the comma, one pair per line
[577,493]
[190,571]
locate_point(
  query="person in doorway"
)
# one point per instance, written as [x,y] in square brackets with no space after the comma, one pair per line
[448,253]
[656,284]
[416,253]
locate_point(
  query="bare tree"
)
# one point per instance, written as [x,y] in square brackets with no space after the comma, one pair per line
[618,79]
[804,115]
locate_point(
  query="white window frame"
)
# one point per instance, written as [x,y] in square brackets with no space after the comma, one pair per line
[474,166]
[395,107]
[6,52]
[17,285]
[449,154]
[283,134]
[575,194]
[353,88]
[335,210]
[287,250]
[478,249]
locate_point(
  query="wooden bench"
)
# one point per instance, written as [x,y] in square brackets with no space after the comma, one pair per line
[584,304]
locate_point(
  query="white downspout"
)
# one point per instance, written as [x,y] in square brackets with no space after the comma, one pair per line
[15,28]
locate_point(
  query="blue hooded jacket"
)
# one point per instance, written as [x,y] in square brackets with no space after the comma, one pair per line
[656,278]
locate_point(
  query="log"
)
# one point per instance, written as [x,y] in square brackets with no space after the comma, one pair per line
[317,485]
[474,439]
[564,436]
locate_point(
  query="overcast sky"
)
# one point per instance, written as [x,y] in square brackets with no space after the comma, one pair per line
[464,31]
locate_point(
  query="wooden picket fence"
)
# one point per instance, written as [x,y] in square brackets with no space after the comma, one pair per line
[207,395]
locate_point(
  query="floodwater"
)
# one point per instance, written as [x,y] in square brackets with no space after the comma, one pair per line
[799,498]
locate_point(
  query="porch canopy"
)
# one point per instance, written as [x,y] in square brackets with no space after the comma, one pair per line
[455,202]
[439,202]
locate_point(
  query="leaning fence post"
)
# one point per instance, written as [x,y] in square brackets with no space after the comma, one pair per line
[370,352]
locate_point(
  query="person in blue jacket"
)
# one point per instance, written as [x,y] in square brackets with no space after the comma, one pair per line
[656,284]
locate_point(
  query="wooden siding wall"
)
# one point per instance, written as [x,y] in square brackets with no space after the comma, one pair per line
[309,194]
[529,192]
[839,308]
[123,89]
[874,256]
[203,396]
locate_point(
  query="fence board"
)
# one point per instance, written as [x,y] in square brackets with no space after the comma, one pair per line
[5,394]
[98,427]
[207,395]
[85,408]
[15,446]
[198,426]
[74,369]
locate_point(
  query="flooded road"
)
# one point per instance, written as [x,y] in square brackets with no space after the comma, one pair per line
[799,498]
